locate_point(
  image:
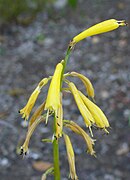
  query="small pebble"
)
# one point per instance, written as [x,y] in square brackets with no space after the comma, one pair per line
[4,162]
[123,149]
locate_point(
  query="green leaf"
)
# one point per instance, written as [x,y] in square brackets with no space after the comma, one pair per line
[73,3]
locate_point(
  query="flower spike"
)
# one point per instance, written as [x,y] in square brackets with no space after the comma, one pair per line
[71,157]
[53,97]
[103,27]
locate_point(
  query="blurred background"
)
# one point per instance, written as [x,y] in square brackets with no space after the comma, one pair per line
[34,35]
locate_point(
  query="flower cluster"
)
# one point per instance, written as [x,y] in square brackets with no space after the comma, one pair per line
[92,115]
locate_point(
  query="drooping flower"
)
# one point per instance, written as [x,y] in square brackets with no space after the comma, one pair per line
[102,27]
[36,114]
[78,130]
[88,85]
[99,117]
[88,119]
[28,108]
[24,147]
[71,157]
[53,97]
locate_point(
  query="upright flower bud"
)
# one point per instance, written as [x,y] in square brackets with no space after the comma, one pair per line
[53,97]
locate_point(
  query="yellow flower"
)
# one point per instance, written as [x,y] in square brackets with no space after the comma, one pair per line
[59,121]
[103,27]
[37,114]
[24,147]
[100,118]
[78,130]
[53,97]
[88,85]
[28,108]
[71,157]
[82,108]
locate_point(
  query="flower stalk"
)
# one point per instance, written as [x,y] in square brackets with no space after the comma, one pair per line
[55,141]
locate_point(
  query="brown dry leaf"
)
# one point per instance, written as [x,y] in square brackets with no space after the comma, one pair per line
[41,165]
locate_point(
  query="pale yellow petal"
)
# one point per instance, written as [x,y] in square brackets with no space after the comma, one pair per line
[77,129]
[24,147]
[37,114]
[71,157]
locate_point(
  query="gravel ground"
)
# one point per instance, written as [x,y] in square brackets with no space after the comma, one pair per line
[30,53]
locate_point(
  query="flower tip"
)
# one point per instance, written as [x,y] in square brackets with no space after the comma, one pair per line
[122,23]
[62,61]
[22,151]
[92,153]
[107,132]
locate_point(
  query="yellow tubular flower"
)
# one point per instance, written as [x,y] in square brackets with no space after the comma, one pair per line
[28,108]
[53,97]
[82,108]
[59,122]
[71,157]
[100,118]
[77,129]
[37,114]
[103,27]
[88,85]
[24,147]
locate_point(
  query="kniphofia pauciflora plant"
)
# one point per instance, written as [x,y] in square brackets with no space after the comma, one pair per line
[52,105]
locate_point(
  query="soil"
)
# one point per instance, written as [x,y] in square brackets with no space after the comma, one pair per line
[29,53]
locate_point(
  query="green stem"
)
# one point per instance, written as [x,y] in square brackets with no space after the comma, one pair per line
[65,63]
[55,141]
[56,160]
